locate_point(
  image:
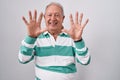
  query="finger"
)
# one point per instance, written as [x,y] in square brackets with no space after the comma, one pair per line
[30,15]
[85,23]
[76,18]
[43,30]
[40,18]
[35,15]
[81,17]
[71,19]
[25,21]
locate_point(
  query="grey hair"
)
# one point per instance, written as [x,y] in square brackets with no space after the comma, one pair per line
[57,4]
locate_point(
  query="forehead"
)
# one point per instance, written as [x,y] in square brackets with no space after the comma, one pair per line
[53,9]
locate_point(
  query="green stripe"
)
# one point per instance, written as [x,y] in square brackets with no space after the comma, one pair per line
[64,35]
[57,50]
[80,44]
[36,78]
[26,51]
[30,40]
[62,69]
[82,53]
[44,36]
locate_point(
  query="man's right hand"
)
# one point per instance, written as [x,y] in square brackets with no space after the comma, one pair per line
[34,25]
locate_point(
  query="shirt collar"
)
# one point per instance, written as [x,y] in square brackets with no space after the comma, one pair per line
[45,33]
[62,33]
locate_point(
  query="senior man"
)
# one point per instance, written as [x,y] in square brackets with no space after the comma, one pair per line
[54,49]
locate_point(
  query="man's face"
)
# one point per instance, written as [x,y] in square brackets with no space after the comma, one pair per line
[54,18]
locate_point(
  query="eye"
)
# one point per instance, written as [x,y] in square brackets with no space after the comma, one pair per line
[57,15]
[49,15]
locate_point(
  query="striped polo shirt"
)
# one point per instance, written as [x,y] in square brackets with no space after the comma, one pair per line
[54,59]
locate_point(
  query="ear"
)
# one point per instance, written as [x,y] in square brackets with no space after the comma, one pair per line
[44,15]
[63,18]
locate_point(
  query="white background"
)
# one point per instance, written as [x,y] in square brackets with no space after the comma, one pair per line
[101,35]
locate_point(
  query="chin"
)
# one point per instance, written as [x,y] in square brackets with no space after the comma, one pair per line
[52,27]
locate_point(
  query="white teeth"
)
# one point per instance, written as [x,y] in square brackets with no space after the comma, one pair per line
[53,23]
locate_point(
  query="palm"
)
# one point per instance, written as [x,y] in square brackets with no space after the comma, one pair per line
[75,31]
[34,26]
[76,27]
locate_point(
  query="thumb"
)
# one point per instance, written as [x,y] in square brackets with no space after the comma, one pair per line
[41,31]
[65,30]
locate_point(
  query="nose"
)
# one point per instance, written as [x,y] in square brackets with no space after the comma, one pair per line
[53,17]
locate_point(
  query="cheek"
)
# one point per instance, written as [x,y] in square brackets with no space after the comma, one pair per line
[62,20]
[59,19]
[46,21]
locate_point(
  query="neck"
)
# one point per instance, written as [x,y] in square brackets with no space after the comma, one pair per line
[55,33]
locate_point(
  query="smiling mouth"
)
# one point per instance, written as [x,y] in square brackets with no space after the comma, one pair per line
[53,23]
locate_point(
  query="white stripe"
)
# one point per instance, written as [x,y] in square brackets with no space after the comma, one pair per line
[83,59]
[55,60]
[83,49]
[42,42]
[27,45]
[49,75]
[62,41]
[23,58]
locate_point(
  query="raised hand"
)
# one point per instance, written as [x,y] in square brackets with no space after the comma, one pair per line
[77,27]
[34,25]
